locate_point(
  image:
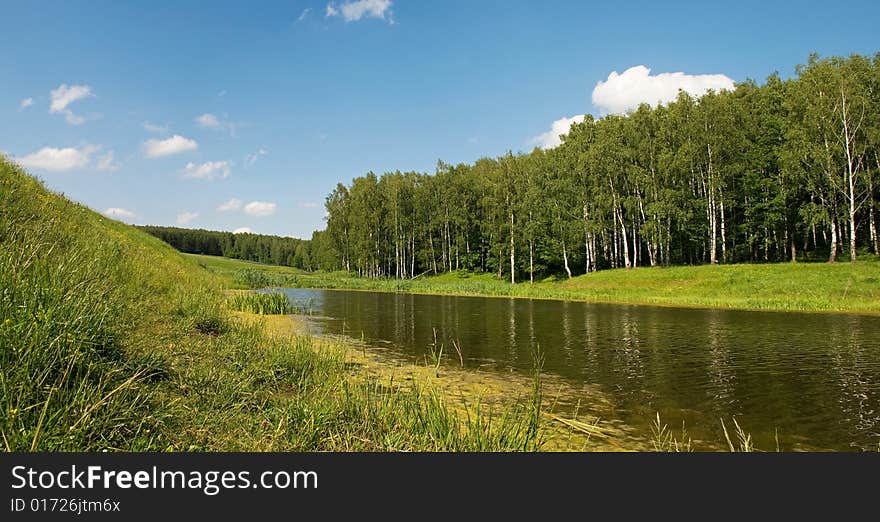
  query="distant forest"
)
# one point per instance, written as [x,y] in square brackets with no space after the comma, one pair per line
[273,250]
[787,170]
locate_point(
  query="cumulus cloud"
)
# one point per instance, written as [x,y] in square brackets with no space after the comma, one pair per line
[119,213]
[243,230]
[551,138]
[154,128]
[260,208]
[228,206]
[173,145]
[210,121]
[185,217]
[106,162]
[25,103]
[53,159]
[63,96]
[207,170]
[352,11]
[624,92]
[253,157]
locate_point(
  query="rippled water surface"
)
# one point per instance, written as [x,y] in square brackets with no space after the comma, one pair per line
[810,381]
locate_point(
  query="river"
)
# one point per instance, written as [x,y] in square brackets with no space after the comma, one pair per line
[802,381]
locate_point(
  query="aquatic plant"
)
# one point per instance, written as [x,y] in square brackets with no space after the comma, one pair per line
[260,303]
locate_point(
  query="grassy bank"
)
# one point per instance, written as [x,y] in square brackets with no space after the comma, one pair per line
[110,339]
[813,287]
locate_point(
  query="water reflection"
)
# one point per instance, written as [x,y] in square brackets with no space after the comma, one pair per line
[813,377]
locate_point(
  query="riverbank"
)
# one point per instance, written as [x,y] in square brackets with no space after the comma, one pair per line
[804,287]
[112,340]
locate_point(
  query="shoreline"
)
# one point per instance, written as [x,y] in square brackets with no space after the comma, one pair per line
[813,288]
[689,306]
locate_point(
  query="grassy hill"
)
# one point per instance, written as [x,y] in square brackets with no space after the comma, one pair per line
[110,339]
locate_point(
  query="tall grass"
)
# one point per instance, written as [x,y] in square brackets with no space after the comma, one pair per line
[65,382]
[109,339]
[262,303]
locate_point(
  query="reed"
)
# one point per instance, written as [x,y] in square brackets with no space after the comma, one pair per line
[263,303]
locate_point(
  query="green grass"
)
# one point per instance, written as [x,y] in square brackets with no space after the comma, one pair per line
[260,303]
[814,287]
[112,340]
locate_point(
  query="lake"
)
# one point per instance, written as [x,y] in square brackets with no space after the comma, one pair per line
[808,381]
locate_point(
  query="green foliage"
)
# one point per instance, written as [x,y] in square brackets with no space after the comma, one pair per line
[251,278]
[787,170]
[274,250]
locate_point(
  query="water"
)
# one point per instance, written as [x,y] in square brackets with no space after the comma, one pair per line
[810,381]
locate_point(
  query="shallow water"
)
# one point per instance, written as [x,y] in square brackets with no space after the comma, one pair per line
[808,381]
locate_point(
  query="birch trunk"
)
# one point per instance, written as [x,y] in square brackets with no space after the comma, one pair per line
[851,174]
[832,257]
[512,252]
[565,259]
[531,262]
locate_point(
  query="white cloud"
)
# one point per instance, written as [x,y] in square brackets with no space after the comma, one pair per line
[173,145]
[243,230]
[352,11]
[210,121]
[119,213]
[308,204]
[260,208]
[63,96]
[227,206]
[25,103]
[253,157]
[154,128]
[50,158]
[624,92]
[73,119]
[106,162]
[207,170]
[304,14]
[551,138]
[185,217]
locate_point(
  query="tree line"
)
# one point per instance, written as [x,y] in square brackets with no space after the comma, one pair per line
[273,250]
[786,170]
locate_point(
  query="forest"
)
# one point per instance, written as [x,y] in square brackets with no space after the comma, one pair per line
[272,250]
[787,170]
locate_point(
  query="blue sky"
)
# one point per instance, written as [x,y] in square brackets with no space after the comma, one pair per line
[265,106]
